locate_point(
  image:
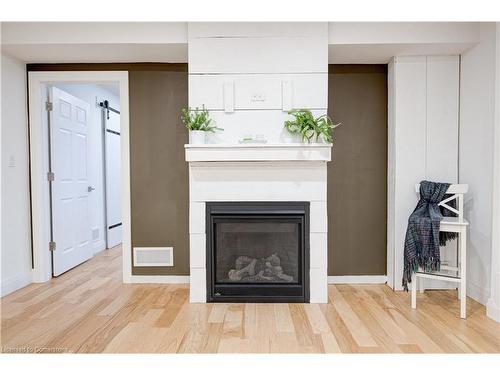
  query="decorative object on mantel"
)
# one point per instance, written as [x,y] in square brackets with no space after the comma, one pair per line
[248,138]
[311,129]
[198,122]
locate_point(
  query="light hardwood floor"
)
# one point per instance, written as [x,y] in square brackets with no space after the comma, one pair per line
[88,309]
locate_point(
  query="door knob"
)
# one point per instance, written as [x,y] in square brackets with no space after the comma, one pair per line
[90,189]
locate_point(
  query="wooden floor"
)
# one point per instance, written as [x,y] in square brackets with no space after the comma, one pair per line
[89,310]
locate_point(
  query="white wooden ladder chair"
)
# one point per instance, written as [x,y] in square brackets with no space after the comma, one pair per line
[449,273]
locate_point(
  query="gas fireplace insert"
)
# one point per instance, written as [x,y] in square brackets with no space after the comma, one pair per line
[257,251]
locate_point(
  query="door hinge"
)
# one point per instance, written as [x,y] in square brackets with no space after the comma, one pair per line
[48,106]
[52,246]
[51,176]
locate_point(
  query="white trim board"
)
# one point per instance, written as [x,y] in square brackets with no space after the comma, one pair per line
[159,279]
[174,279]
[477,293]
[14,283]
[493,304]
[493,311]
[42,270]
[363,279]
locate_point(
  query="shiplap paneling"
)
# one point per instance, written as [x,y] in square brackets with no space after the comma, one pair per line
[250,74]
[263,91]
[258,55]
[239,123]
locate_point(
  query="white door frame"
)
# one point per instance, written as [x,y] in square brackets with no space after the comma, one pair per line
[493,304]
[40,205]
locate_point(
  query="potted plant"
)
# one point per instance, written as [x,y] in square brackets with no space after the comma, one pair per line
[310,128]
[198,122]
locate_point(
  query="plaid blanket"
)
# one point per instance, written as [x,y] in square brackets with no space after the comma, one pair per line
[423,238]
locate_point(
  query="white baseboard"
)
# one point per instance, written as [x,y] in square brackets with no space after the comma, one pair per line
[159,279]
[477,293]
[363,279]
[493,311]
[98,246]
[14,283]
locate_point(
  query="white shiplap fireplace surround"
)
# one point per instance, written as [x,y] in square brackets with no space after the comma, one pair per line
[248,76]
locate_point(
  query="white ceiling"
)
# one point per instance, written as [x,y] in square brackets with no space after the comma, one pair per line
[178,53]
[349,42]
[97,53]
[382,53]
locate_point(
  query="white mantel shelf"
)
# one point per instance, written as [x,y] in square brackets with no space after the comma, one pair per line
[259,152]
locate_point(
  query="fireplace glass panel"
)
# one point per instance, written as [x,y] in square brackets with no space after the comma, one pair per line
[257,251]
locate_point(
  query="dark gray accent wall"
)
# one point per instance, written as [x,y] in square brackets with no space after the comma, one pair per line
[158,171]
[357,177]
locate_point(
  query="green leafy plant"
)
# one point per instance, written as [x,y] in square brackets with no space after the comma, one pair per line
[198,119]
[305,124]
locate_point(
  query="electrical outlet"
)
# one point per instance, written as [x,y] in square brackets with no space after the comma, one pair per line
[258,97]
[12,161]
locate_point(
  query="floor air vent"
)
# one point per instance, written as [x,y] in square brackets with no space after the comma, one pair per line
[153,256]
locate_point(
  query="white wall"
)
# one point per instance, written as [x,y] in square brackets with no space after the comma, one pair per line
[91,93]
[423,141]
[16,235]
[477,116]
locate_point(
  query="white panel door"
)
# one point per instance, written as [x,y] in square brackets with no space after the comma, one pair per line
[113,180]
[71,227]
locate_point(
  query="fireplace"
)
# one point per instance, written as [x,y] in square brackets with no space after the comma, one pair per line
[257,251]
[244,201]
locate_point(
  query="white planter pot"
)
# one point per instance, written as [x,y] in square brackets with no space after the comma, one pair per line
[321,139]
[317,138]
[197,137]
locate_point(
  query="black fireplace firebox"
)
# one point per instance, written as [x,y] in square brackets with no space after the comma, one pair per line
[257,251]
